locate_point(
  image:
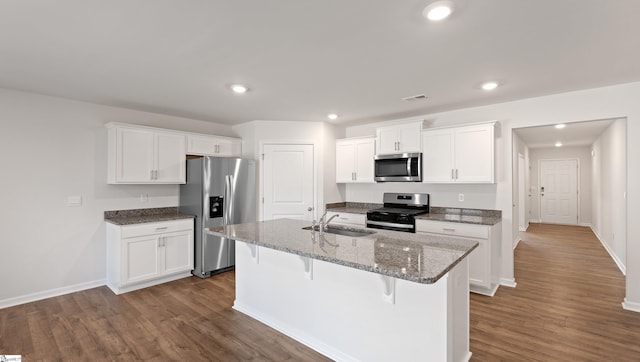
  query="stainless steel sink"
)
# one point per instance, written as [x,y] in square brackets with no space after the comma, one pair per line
[342,230]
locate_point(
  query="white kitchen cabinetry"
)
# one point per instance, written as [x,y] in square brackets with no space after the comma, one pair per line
[206,145]
[142,255]
[354,160]
[399,138]
[347,219]
[459,154]
[483,261]
[144,155]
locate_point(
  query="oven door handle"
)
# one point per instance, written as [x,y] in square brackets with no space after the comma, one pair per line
[389,224]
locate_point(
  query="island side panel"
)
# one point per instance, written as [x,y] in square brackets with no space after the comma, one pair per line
[341,312]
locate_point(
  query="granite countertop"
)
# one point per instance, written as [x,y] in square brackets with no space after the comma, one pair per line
[436,213]
[141,216]
[418,258]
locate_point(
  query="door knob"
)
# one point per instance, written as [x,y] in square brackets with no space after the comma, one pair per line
[309,208]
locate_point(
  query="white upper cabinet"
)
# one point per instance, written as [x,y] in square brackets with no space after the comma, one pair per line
[354,160]
[143,155]
[459,154]
[205,145]
[399,138]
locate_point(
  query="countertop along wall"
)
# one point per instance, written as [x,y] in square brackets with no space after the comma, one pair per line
[618,101]
[52,148]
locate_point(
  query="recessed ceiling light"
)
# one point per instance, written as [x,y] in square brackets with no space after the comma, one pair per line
[239,88]
[438,10]
[332,116]
[560,125]
[489,86]
[558,144]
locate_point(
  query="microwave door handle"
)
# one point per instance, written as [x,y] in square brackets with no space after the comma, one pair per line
[409,166]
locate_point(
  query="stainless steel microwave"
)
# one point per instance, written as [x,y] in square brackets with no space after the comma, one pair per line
[399,167]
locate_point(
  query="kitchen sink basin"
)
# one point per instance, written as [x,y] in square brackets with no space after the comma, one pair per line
[342,230]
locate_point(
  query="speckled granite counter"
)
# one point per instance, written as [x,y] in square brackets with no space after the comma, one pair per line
[141,216]
[415,257]
[466,216]
[352,207]
[449,214]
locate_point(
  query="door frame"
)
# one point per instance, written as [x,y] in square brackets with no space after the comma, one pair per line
[261,145]
[579,194]
[523,217]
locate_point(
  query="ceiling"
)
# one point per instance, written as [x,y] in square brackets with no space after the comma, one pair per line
[304,59]
[573,135]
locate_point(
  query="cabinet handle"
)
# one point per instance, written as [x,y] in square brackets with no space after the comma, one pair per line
[162,228]
[451,230]
[456,173]
[151,174]
[453,177]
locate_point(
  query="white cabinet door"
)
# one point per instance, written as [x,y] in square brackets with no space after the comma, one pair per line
[437,156]
[399,138]
[145,155]
[474,148]
[140,259]
[177,253]
[170,158]
[364,152]
[459,154]
[205,145]
[387,140]
[345,161]
[345,218]
[409,137]
[354,160]
[134,155]
[480,265]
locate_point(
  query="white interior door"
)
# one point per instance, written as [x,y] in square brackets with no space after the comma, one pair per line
[288,186]
[559,191]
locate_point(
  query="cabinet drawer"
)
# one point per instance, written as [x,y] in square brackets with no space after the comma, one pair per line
[130,231]
[453,228]
[347,218]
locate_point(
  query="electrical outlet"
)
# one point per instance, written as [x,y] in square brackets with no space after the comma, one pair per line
[74,201]
[460,197]
[144,197]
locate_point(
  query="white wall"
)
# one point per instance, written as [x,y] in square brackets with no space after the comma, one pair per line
[609,181]
[583,154]
[321,134]
[593,104]
[52,148]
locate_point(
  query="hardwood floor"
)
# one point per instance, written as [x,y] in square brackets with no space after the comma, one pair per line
[566,307]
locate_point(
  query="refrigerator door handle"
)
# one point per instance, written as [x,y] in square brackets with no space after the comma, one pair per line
[228,184]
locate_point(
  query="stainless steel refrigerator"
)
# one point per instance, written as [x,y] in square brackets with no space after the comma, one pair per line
[219,191]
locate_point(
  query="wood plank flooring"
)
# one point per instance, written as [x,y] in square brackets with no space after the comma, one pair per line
[566,307]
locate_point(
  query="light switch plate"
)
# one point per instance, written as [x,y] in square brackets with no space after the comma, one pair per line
[74,200]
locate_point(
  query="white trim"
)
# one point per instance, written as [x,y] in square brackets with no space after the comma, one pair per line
[489,292]
[632,306]
[298,335]
[508,282]
[535,221]
[10,302]
[515,243]
[129,288]
[586,224]
[615,258]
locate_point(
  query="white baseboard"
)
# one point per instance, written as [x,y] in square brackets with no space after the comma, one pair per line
[296,334]
[615,258]
[535,221]
[515,243]
[586,224]
[10,302]
[508,282]
[524,228]
[489,292]
[632,306]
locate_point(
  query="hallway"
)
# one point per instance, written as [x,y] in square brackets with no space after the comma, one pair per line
[566,306]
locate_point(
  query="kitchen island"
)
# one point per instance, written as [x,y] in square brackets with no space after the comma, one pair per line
[379,297]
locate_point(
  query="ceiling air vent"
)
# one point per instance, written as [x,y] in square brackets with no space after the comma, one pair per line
[418,97]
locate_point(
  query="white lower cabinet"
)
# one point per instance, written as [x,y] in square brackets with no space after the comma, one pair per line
[142,255]
[483,261]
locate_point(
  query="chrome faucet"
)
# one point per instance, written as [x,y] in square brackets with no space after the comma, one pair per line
[326,224]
